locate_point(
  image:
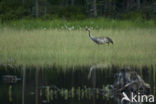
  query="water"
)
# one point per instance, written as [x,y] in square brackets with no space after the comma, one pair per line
[51,85]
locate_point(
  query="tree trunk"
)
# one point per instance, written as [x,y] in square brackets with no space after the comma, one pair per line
[128,4]
[87,7]
[94,8]
[45,7]
[106,4]
[36,9]
[72,2]
[23,2]
[138,4]
[66,2]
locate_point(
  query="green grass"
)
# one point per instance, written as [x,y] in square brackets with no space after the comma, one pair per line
[72,48]
[97,23]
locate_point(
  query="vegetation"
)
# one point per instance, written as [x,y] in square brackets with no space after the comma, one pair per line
[76,9]
[71,48]
[97,23]
[42,32]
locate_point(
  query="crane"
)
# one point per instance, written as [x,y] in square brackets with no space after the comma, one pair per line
[99,40]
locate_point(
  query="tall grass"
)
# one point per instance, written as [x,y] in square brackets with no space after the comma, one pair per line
[79,24]
[68,48]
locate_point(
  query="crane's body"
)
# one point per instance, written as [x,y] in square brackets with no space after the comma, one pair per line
[99,40]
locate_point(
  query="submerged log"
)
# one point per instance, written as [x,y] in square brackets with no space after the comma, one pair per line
[128,80]
[125,80]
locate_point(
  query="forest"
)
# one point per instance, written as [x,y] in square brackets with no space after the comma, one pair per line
[77,9]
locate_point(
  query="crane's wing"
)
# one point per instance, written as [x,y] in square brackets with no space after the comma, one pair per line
[105,40]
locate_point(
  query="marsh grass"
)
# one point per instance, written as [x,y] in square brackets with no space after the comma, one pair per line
[73,48]
[97,23]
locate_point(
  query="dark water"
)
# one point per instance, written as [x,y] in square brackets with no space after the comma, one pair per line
[51,85]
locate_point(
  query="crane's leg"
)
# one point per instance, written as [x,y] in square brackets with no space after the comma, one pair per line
[108,43]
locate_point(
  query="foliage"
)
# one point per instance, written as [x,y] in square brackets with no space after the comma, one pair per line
[97,23]
[13,10]
[80,9]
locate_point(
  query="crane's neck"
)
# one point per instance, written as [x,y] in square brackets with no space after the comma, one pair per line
[90,34]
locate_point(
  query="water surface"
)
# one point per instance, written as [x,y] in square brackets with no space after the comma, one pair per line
[51,85]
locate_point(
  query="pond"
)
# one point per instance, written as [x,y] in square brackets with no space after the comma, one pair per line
[56,85]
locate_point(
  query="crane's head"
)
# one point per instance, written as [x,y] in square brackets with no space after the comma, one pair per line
[87,29]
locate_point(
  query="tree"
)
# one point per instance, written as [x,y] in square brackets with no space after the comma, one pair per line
[94,8]
[72,2]
[36,9]
[138,4]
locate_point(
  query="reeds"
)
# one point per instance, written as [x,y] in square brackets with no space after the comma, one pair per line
[97,23]
[74,48]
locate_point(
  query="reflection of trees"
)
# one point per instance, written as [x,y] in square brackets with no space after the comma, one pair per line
[94,86]
[23,84]
[10,93]
[36,86]
[92,76]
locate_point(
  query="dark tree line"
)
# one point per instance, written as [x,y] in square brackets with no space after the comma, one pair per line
[76,9]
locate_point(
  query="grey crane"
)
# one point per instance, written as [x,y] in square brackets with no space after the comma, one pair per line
[99,40]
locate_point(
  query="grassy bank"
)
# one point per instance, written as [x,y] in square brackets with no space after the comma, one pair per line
[98,23]
[68,48]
